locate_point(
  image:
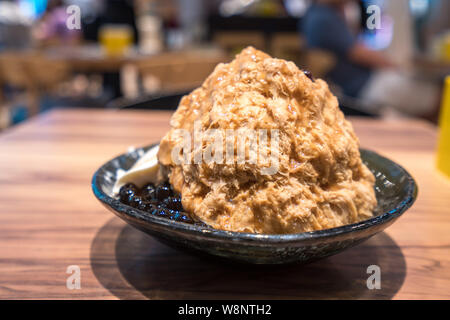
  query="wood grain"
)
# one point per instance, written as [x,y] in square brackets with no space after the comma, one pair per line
[49,220]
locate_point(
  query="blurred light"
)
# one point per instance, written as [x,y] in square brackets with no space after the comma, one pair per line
[297,8]
[231,7]
[419,7]
[32,9]
[11,14]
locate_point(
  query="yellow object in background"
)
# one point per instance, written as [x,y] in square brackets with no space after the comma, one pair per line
[116,39]
[445,48]
[443,154]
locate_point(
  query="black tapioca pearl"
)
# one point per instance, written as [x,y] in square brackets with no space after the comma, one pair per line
[135,201]
[308,74]
[148,192]
[158,200]
[163,192]
[146,206]
[173,203]
[127,192]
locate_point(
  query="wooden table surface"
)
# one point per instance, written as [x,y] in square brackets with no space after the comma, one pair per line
[49,220]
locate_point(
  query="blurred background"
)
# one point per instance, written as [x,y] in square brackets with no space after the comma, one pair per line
[146,54]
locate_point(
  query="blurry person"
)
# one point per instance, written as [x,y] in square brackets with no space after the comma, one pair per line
[361,72]
[52,28]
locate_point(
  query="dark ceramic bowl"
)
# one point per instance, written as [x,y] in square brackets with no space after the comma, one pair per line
[395,189]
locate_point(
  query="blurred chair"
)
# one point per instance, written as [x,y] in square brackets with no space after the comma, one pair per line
[47,74]
[319,62]
[288,46]
[33,74]
[234,41]
[178,71]
[14,75]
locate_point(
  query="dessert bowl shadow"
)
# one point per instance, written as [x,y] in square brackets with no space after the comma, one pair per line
[395,190]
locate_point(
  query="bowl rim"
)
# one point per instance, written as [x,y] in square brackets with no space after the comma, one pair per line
[112,203]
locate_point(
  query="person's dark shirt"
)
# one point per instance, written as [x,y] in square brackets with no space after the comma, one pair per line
[324,28]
